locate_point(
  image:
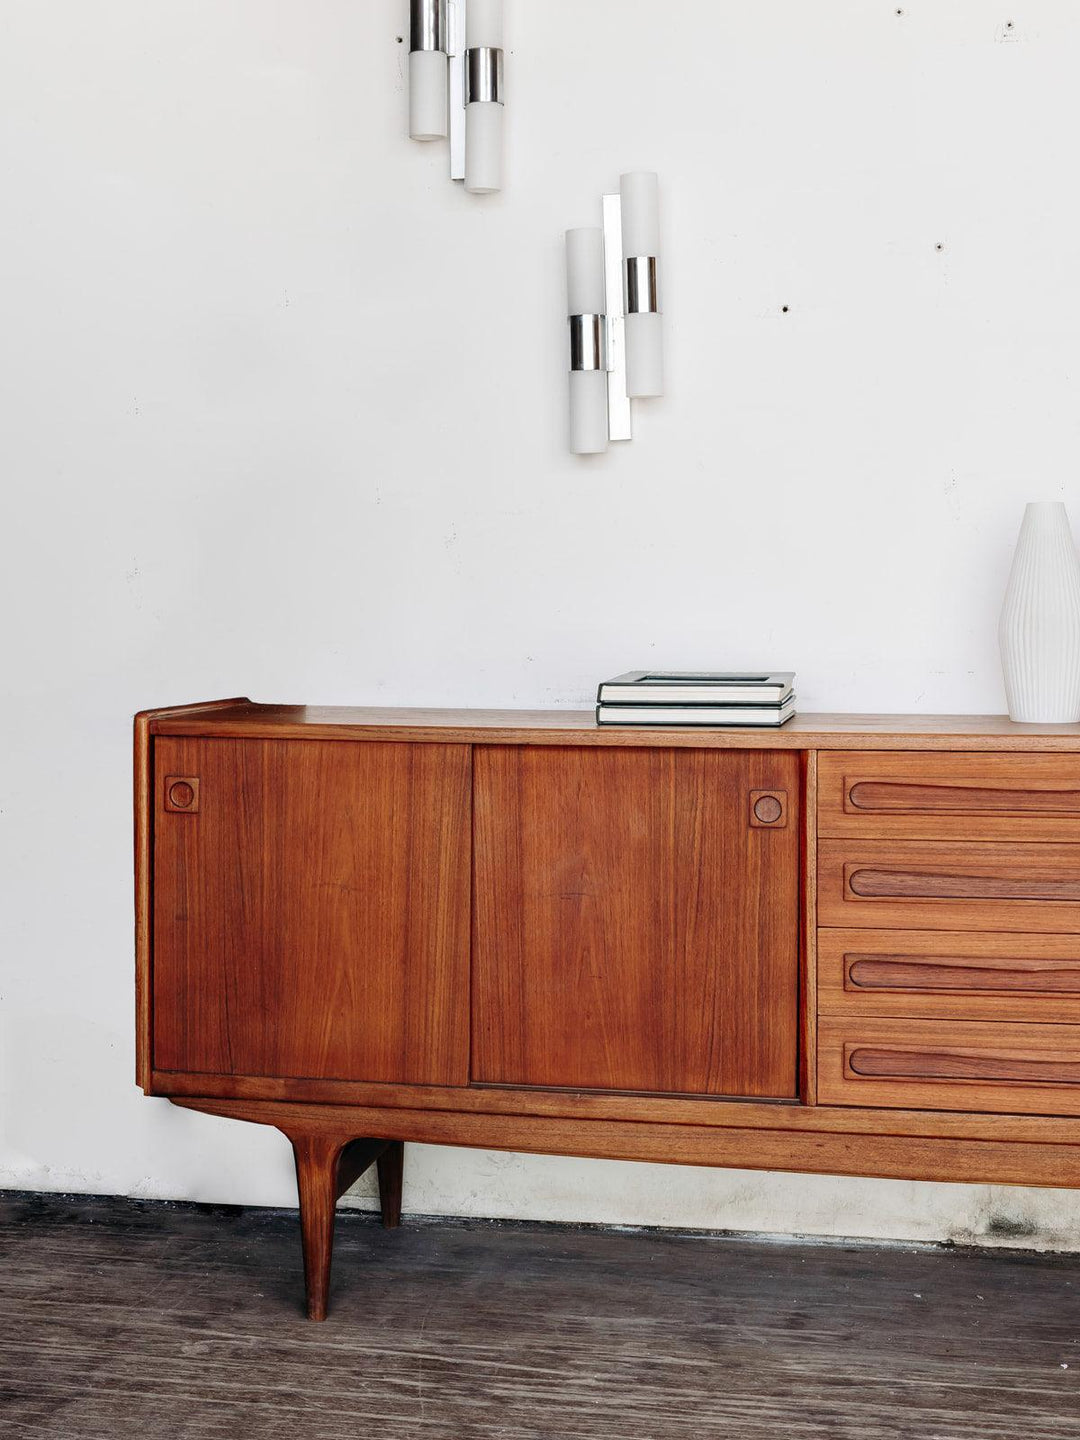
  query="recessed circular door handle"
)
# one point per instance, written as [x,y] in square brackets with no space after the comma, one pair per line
[768,809]
[182,794]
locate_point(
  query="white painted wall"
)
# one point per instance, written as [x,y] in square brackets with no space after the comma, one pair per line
[283,414]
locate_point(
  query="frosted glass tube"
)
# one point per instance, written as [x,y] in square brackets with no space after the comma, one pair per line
[484,110]
[427,94]
[585,296]
[585,271]
[641,240]
[644,355]
[588,412]
[640,212]
[483,145]
[484,23]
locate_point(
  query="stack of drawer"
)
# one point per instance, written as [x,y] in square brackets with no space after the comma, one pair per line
[949,931]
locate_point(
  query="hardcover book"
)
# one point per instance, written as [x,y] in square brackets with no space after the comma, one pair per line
[676,687]
[712,715]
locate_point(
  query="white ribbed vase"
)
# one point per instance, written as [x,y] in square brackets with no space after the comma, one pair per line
[1039,632]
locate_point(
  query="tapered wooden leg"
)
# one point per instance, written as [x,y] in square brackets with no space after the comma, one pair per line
[316,1181]
[325,1168]
[391,1171]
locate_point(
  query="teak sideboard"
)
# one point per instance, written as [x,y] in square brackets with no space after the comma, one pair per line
[848,946]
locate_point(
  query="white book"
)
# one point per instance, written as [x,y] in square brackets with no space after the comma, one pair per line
[714,716]
[682,687]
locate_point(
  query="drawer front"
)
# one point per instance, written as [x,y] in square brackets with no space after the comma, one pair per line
[949,1065]
[918,885]
[949,797]
[941,974]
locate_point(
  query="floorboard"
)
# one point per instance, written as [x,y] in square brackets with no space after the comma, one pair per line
[122,1318]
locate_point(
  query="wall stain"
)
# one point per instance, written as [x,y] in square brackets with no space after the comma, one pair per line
[1008,1227]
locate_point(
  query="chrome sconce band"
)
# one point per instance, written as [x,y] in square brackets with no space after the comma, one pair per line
[484,75]
[642,295]
[588,342]
[427,25]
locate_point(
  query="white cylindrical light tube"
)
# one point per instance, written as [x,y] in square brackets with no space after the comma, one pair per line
[427,70]
[641,251]
[644,355]
[588,412]
[585,304]
[427,94]
[483,96]
[585,271]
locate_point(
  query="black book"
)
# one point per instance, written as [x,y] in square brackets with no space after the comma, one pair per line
[677,687]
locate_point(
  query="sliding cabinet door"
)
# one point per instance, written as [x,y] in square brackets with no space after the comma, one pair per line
[635,921]
[311,909]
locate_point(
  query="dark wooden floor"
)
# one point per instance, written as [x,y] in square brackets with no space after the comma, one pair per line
[127,1319]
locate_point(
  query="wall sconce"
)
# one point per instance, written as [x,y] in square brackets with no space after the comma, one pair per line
[456,85]
[612,300]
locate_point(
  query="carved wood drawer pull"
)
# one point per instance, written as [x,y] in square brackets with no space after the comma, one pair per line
[182,794]
[871,1061]
[768,809]
[917,885]
[1006,976]
[900,797]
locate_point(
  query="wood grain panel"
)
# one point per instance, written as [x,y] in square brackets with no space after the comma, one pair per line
[941,1063]
[808,962]
[966,975]
[884,1155]
[632,931]
[806,731]
[313,918]
[652,1110]
[986,883]
[950,1065]
[144,840]
[143,756]
[950,973]
[950,797]
[920,885]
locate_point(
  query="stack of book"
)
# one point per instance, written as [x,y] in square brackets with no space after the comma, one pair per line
[646,697]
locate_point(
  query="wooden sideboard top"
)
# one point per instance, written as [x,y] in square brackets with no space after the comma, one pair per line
[245,718]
